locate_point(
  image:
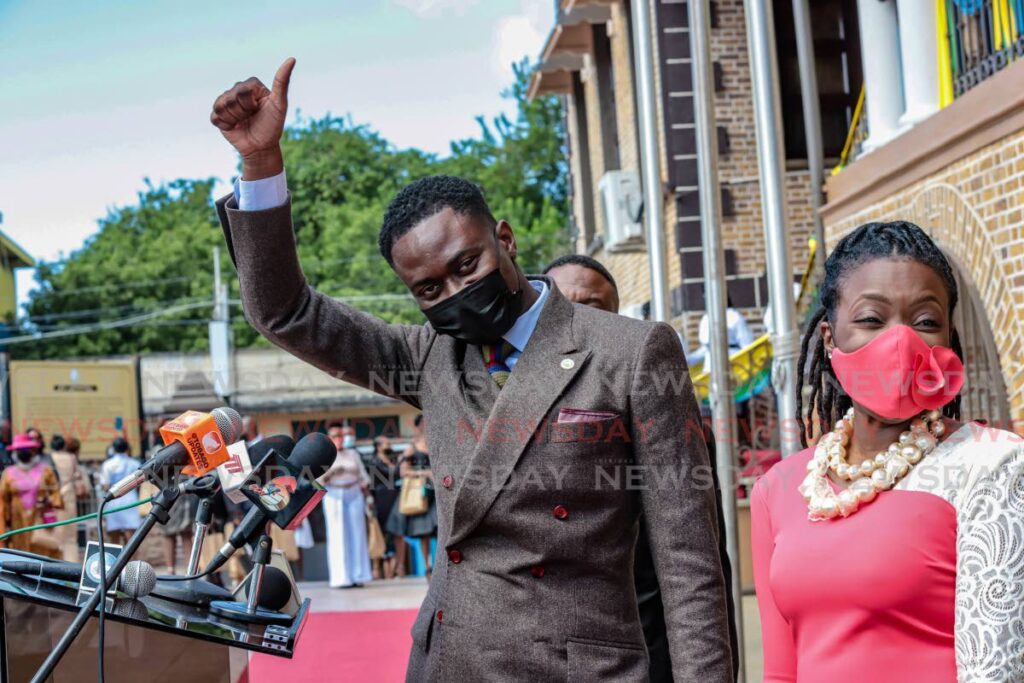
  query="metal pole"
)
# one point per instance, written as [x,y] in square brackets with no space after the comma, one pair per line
[723,409]
[221,362]
[220,309]
[812,118]
[199,528]
[785,341]
[650,158]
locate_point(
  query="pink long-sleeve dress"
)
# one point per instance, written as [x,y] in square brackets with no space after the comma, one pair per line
[926,583]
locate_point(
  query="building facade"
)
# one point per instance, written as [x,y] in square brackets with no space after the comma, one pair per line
[943,147]
[281,393]
[12,257]
[588,59]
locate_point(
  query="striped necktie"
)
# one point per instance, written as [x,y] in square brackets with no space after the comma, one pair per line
[494,358]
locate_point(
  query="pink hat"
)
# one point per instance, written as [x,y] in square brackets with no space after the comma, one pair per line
[23,442]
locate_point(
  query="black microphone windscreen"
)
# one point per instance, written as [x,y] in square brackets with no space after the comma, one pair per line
[315,452]
[282,444]
[276,589]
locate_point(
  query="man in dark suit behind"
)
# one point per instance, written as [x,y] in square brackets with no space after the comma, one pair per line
[554,426]
[584,280]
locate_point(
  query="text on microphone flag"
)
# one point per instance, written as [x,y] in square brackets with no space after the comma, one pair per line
[201,437]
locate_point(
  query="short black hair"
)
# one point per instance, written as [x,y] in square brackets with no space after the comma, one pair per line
[57,443]
[425,197]
[584,261]
[120,445]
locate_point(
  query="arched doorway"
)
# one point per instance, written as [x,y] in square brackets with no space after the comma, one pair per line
[984,394]
[942,210]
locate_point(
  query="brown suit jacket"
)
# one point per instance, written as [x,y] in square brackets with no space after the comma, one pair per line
[537,515]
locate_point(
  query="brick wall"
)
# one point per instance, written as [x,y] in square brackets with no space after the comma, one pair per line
[734,109]
[742,232]
[974,210]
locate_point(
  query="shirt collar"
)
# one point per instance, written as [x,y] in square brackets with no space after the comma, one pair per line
[522,330]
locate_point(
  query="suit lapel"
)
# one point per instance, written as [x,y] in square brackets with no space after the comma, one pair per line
[548,364]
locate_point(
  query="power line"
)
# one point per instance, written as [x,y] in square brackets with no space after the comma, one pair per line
[151,323]
[113,285]
[137,320]
[96,327]
[88,312]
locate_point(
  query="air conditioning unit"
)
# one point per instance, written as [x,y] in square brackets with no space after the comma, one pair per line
[636,311]
[622,200]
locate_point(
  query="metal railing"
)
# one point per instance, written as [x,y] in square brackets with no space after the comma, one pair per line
[983,37]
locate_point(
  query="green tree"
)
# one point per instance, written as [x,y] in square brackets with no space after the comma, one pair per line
[155,256]
[521,165]
[152,257]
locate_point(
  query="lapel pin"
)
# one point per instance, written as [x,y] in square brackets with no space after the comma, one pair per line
[568,364]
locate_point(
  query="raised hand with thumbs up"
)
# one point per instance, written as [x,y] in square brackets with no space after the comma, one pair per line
[251,117]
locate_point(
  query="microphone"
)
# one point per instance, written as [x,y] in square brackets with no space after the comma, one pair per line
[137,580]
[275,590]
[192,439]
[236,471]
[313,456]
[193,592]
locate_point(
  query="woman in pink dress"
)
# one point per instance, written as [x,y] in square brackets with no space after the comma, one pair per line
[893,551]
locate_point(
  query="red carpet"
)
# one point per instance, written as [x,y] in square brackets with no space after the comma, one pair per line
[370,647]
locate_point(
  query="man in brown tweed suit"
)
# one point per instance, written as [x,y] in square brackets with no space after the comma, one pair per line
[552,427]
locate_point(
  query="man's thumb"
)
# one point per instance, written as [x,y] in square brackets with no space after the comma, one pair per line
[282,78]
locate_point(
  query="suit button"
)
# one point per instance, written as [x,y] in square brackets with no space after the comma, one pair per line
[455,556]
[447,481]
[440,615]
[537,571]
[560,512]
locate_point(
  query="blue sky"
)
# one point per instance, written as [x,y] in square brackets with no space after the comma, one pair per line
[97,96]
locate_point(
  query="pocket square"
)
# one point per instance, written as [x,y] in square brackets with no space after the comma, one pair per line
[580,415]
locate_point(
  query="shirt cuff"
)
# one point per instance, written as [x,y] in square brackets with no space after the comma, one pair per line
[265,193]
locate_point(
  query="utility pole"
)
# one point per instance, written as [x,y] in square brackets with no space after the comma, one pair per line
[220,336]
[723,407]
[768,125]
[650,158]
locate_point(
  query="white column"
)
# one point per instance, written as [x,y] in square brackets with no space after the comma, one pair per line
[919,52]
[880,53]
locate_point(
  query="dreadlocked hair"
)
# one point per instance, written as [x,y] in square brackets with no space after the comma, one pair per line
[871,241]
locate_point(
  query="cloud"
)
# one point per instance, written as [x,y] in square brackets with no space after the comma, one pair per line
[521,35]
[432,8]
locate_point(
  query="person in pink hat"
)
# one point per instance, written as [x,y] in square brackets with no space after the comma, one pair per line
[29,495]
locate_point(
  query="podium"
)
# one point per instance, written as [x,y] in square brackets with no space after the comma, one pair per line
[150,639]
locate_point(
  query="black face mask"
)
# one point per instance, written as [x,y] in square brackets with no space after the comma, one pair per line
[480,313]
[24,457]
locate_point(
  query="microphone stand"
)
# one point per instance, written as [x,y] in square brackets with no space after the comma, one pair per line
[204,514]
[158,513]
[251,611]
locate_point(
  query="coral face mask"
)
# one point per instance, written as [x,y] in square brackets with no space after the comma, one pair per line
[897,375]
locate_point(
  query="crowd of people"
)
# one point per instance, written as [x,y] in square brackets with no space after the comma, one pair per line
[366,532]
[45,487]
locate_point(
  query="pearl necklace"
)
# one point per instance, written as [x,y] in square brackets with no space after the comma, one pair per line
[872,476]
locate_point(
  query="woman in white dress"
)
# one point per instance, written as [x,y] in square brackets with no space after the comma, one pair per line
[348,555]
